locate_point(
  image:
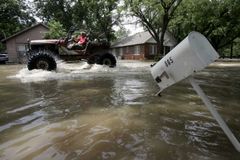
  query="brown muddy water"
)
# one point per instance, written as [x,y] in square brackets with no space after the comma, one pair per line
[106,113]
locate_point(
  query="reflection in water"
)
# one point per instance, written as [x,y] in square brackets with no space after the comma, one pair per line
[102,113]
[128,91]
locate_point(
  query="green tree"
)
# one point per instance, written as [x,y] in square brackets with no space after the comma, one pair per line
[155,16]
[218,20]
[14,16]
[58,10]
[122,33]
[56,30]
[231,50]
[96,17]
[99,18]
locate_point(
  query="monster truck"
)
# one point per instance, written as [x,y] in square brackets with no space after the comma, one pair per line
[42,54]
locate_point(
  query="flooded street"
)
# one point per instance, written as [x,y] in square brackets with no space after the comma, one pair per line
[91,113]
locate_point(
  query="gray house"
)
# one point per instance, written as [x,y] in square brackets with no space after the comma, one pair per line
[17,43]
[141,46]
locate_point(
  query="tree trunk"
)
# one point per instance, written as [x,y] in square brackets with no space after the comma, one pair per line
[157,56]
[163,31]
[161,52]
[231,53]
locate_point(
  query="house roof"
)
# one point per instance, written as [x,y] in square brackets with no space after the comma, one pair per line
[141,38]
[138,38]
[23,31]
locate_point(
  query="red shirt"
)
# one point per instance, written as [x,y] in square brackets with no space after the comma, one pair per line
[82,40]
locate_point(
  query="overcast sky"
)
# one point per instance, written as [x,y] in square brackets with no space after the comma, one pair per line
[131,25]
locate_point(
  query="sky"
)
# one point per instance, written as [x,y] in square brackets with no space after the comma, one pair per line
[134,28]
[130,22]
[131,25]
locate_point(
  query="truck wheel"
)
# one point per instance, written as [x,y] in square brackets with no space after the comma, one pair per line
[42,61]
[109,60]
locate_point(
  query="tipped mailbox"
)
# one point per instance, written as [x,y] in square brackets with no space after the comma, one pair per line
[193,54]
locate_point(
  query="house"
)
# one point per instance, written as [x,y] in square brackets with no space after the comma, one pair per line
[141,46]
[17,44]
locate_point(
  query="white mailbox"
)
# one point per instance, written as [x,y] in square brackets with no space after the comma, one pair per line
[193,54]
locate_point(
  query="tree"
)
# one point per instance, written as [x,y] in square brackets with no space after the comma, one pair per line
[169,8]
[155,16]
[96,17]
[56,30]
[218,20]
[122,33]
[231,50]
[58,10]
[14,16]
[99,18]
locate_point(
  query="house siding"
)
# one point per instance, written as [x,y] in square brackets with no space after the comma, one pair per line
[147,51]
[21,39]
[124,48]
[11,50]
[135,52]
[33,34]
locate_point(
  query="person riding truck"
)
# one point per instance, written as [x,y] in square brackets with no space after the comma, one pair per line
[79,42]
[82,39]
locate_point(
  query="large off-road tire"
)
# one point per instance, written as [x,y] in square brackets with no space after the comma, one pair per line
[42,60]
[108,60]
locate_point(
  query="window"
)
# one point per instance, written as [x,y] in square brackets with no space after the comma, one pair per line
[152,49]
[121,51]
[131,50]
[136,49]
[115,51]
[124,50]
[22,48]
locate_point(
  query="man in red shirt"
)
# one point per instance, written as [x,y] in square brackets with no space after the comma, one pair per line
[82,39]
[79,42]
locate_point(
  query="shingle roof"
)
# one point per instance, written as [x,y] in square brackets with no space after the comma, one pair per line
[138,38]
[144,37]
[25,30]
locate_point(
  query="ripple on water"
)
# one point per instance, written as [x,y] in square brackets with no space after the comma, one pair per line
[95,112]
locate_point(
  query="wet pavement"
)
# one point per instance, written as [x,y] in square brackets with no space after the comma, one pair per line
[95,112]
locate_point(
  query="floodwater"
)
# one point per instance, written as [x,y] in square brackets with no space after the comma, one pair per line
[100,113]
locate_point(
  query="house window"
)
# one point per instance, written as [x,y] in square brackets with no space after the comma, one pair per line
[124,50]
[152,49]
[22,48]
[130,50]
[120,51]
[116,51]
[136,49]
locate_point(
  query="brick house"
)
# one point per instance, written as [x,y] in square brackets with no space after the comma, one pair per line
[141,46]
[17,44]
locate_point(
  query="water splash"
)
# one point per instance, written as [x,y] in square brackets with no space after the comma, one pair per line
[64,71]
[79,70]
